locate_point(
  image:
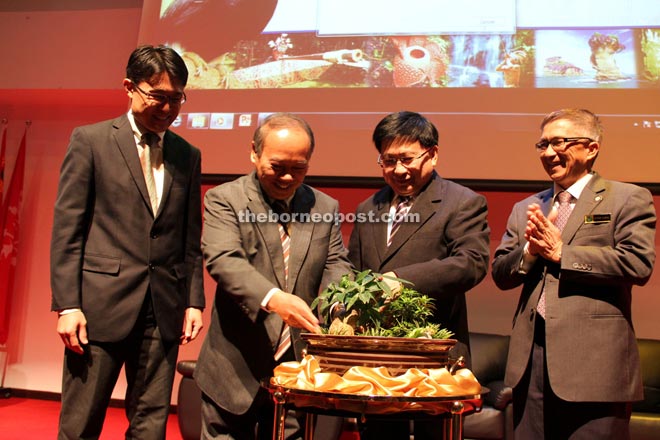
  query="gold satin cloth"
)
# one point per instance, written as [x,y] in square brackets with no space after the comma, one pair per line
[307,375]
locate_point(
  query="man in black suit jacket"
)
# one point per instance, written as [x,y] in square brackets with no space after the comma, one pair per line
[573,360]
[126,263]
[442,247]
[255,297]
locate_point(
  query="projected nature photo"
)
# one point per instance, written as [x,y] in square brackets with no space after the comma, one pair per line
[565,58]
[542,57]
[484,71]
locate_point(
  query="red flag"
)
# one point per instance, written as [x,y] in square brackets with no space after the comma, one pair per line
[2,163]
[9,249]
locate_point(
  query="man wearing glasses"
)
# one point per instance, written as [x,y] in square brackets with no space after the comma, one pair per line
[126,262]
[577,249]
[426,230]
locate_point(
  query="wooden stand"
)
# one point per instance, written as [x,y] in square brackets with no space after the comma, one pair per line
[355,405]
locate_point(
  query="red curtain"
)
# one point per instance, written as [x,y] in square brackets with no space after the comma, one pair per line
[9,250]
[2,163]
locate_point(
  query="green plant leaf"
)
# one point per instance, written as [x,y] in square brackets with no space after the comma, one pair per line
[381,312]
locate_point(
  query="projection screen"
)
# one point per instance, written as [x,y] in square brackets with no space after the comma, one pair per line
[484,71]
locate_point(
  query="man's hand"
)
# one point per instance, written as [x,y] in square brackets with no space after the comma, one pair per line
[394,285]
[543,236]
[294,311]
[72,328]
[192,325]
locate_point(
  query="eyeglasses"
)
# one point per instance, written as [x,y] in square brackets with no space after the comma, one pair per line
[390,162]
[559,144]
[160,99]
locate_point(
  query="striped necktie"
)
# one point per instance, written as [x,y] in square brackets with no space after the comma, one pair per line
[280,208]
[400,214]
[563,213]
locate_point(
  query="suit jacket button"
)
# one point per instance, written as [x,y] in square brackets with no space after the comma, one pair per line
[152,267]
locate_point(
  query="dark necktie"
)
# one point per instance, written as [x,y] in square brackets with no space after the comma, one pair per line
[150,158]
[400,213]
[563,213]
[284,218]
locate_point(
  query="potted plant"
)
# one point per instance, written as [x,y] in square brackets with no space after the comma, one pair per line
[366,305]
[368,323]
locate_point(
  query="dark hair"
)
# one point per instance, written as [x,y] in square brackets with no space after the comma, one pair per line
[147,61]
[277,121]
[585,119]
[404,127]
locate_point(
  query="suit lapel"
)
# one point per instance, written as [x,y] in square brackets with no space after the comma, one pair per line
[169,161]
[268,230]
[382,201]
[590,198]
[425,207]
[301,233]
[545,201]
[125,141]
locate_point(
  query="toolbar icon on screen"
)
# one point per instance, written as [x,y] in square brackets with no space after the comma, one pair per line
[222,121]
[245,120]
[198,120]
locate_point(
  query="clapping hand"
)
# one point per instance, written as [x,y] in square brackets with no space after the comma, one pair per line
[543,236]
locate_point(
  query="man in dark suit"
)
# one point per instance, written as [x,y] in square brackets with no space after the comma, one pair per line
[441,246]
[126,262]
[577,249]
[260,292]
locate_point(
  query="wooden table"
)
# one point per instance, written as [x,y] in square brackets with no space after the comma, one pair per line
[356,405]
